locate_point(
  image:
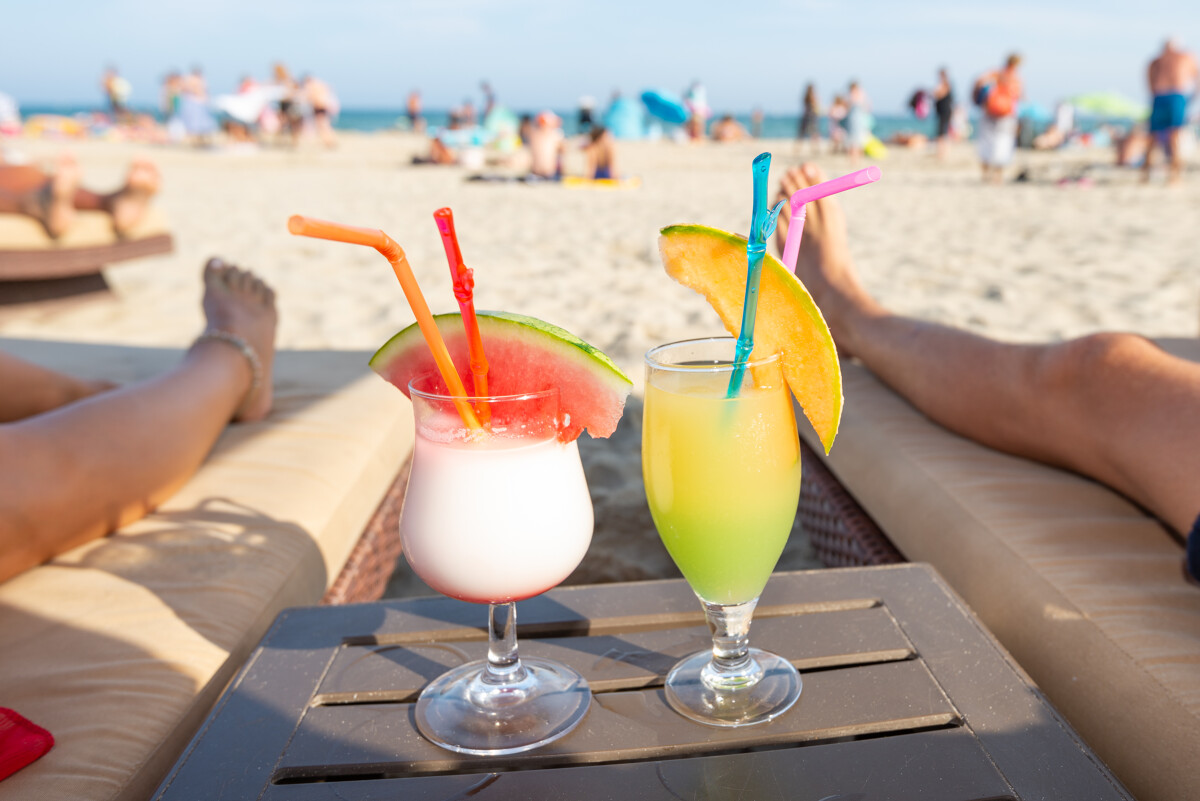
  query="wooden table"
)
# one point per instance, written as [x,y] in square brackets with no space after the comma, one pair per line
[906,696]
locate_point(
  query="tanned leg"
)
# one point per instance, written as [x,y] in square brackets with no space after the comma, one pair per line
[89,467]
[1111,406]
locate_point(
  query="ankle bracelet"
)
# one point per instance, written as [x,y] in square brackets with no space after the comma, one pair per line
[243,347]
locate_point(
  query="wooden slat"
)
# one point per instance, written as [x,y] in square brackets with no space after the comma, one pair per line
[640,658]
[930,766]
[628,725]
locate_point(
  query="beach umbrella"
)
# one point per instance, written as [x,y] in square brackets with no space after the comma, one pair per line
[666,106]
[1109,104]
[625,119]
[1035,112]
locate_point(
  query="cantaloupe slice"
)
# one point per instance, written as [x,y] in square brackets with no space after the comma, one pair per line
[713,262]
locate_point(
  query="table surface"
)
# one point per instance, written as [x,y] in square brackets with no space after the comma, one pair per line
[906,695]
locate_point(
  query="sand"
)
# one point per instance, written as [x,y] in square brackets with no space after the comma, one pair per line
[1025,261]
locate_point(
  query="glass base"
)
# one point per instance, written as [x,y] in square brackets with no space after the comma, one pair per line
[461,712]
[692,692]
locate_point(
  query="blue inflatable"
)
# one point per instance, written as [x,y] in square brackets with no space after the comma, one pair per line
[625,119]
[665,106]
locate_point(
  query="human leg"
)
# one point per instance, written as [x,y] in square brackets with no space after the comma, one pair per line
[30,389]
[49,198]
[1111,406]
[90,467]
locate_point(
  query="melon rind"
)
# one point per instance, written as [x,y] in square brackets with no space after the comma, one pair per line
[592,389]
[713,263]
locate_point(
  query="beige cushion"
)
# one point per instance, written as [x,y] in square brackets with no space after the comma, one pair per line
[1083,588]
[90,229]
[121,646]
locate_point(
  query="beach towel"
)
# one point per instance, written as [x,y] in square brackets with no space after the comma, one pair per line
[21,742]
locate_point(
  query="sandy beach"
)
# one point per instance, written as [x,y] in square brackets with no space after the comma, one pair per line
[1032,260]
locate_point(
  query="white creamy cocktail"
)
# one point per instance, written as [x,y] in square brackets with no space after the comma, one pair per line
[494,518]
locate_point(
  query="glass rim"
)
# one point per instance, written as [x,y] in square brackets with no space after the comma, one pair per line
[724,367]
[446,397]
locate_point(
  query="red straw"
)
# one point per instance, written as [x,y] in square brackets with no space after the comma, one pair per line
[373,237]
[464,292]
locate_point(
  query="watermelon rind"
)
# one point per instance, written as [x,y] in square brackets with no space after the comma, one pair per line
[538,335]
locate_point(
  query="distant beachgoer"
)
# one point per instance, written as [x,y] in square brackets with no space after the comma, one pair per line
[117,91]
[10,117]
[943,107]
[696,101]
[1173,78]
[727,129]
[94,456]
[587,109]
[1111,406]
[998,93]
[837,123]
[290,117]
[415,121]
[546,147]
[489,99]
[756,122]
[810,117]
[54,198]
[601,154]
[324,105]
[525,129]
[197,120]
[859,121]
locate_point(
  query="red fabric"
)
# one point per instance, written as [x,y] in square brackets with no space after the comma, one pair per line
[21,742]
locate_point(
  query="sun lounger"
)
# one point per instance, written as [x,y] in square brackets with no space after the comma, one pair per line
[35,267]
[1084,589]
[120,647]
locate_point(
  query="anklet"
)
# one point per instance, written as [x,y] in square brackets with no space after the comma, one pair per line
[244,348]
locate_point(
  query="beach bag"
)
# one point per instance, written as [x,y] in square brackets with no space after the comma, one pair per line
[999,101]
[980,95]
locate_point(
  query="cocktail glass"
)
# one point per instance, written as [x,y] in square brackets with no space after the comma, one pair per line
[493,517]
[723,480]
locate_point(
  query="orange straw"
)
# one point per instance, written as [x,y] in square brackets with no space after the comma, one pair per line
[464,292]
[374,238]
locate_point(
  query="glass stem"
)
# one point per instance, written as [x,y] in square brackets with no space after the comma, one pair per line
[503,664]
[731,666]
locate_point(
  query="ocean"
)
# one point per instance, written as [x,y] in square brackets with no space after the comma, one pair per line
[774,126]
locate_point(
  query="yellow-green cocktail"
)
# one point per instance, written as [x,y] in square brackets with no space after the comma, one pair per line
[722,476]
[722,473]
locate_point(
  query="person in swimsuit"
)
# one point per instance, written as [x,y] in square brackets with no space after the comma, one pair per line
[1110,406]
[322,101]
[1001,91]
[601,154]
[79,459]
[1173,77]
[810,117]
[943,107]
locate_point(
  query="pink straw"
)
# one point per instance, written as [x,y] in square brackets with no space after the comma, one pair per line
[801,197]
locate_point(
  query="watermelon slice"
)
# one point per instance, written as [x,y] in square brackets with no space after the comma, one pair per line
[524,355]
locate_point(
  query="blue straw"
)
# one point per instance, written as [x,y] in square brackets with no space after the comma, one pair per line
[762,225]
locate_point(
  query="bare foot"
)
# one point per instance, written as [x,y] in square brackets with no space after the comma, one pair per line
[239,303]
[824,265]
[53,205]
[128,204]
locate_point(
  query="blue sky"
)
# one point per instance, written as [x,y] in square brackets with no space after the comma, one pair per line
[540,54]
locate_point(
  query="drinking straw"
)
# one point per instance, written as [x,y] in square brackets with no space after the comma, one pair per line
[374,238]
[801,197]
[464,292]
[762,224]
